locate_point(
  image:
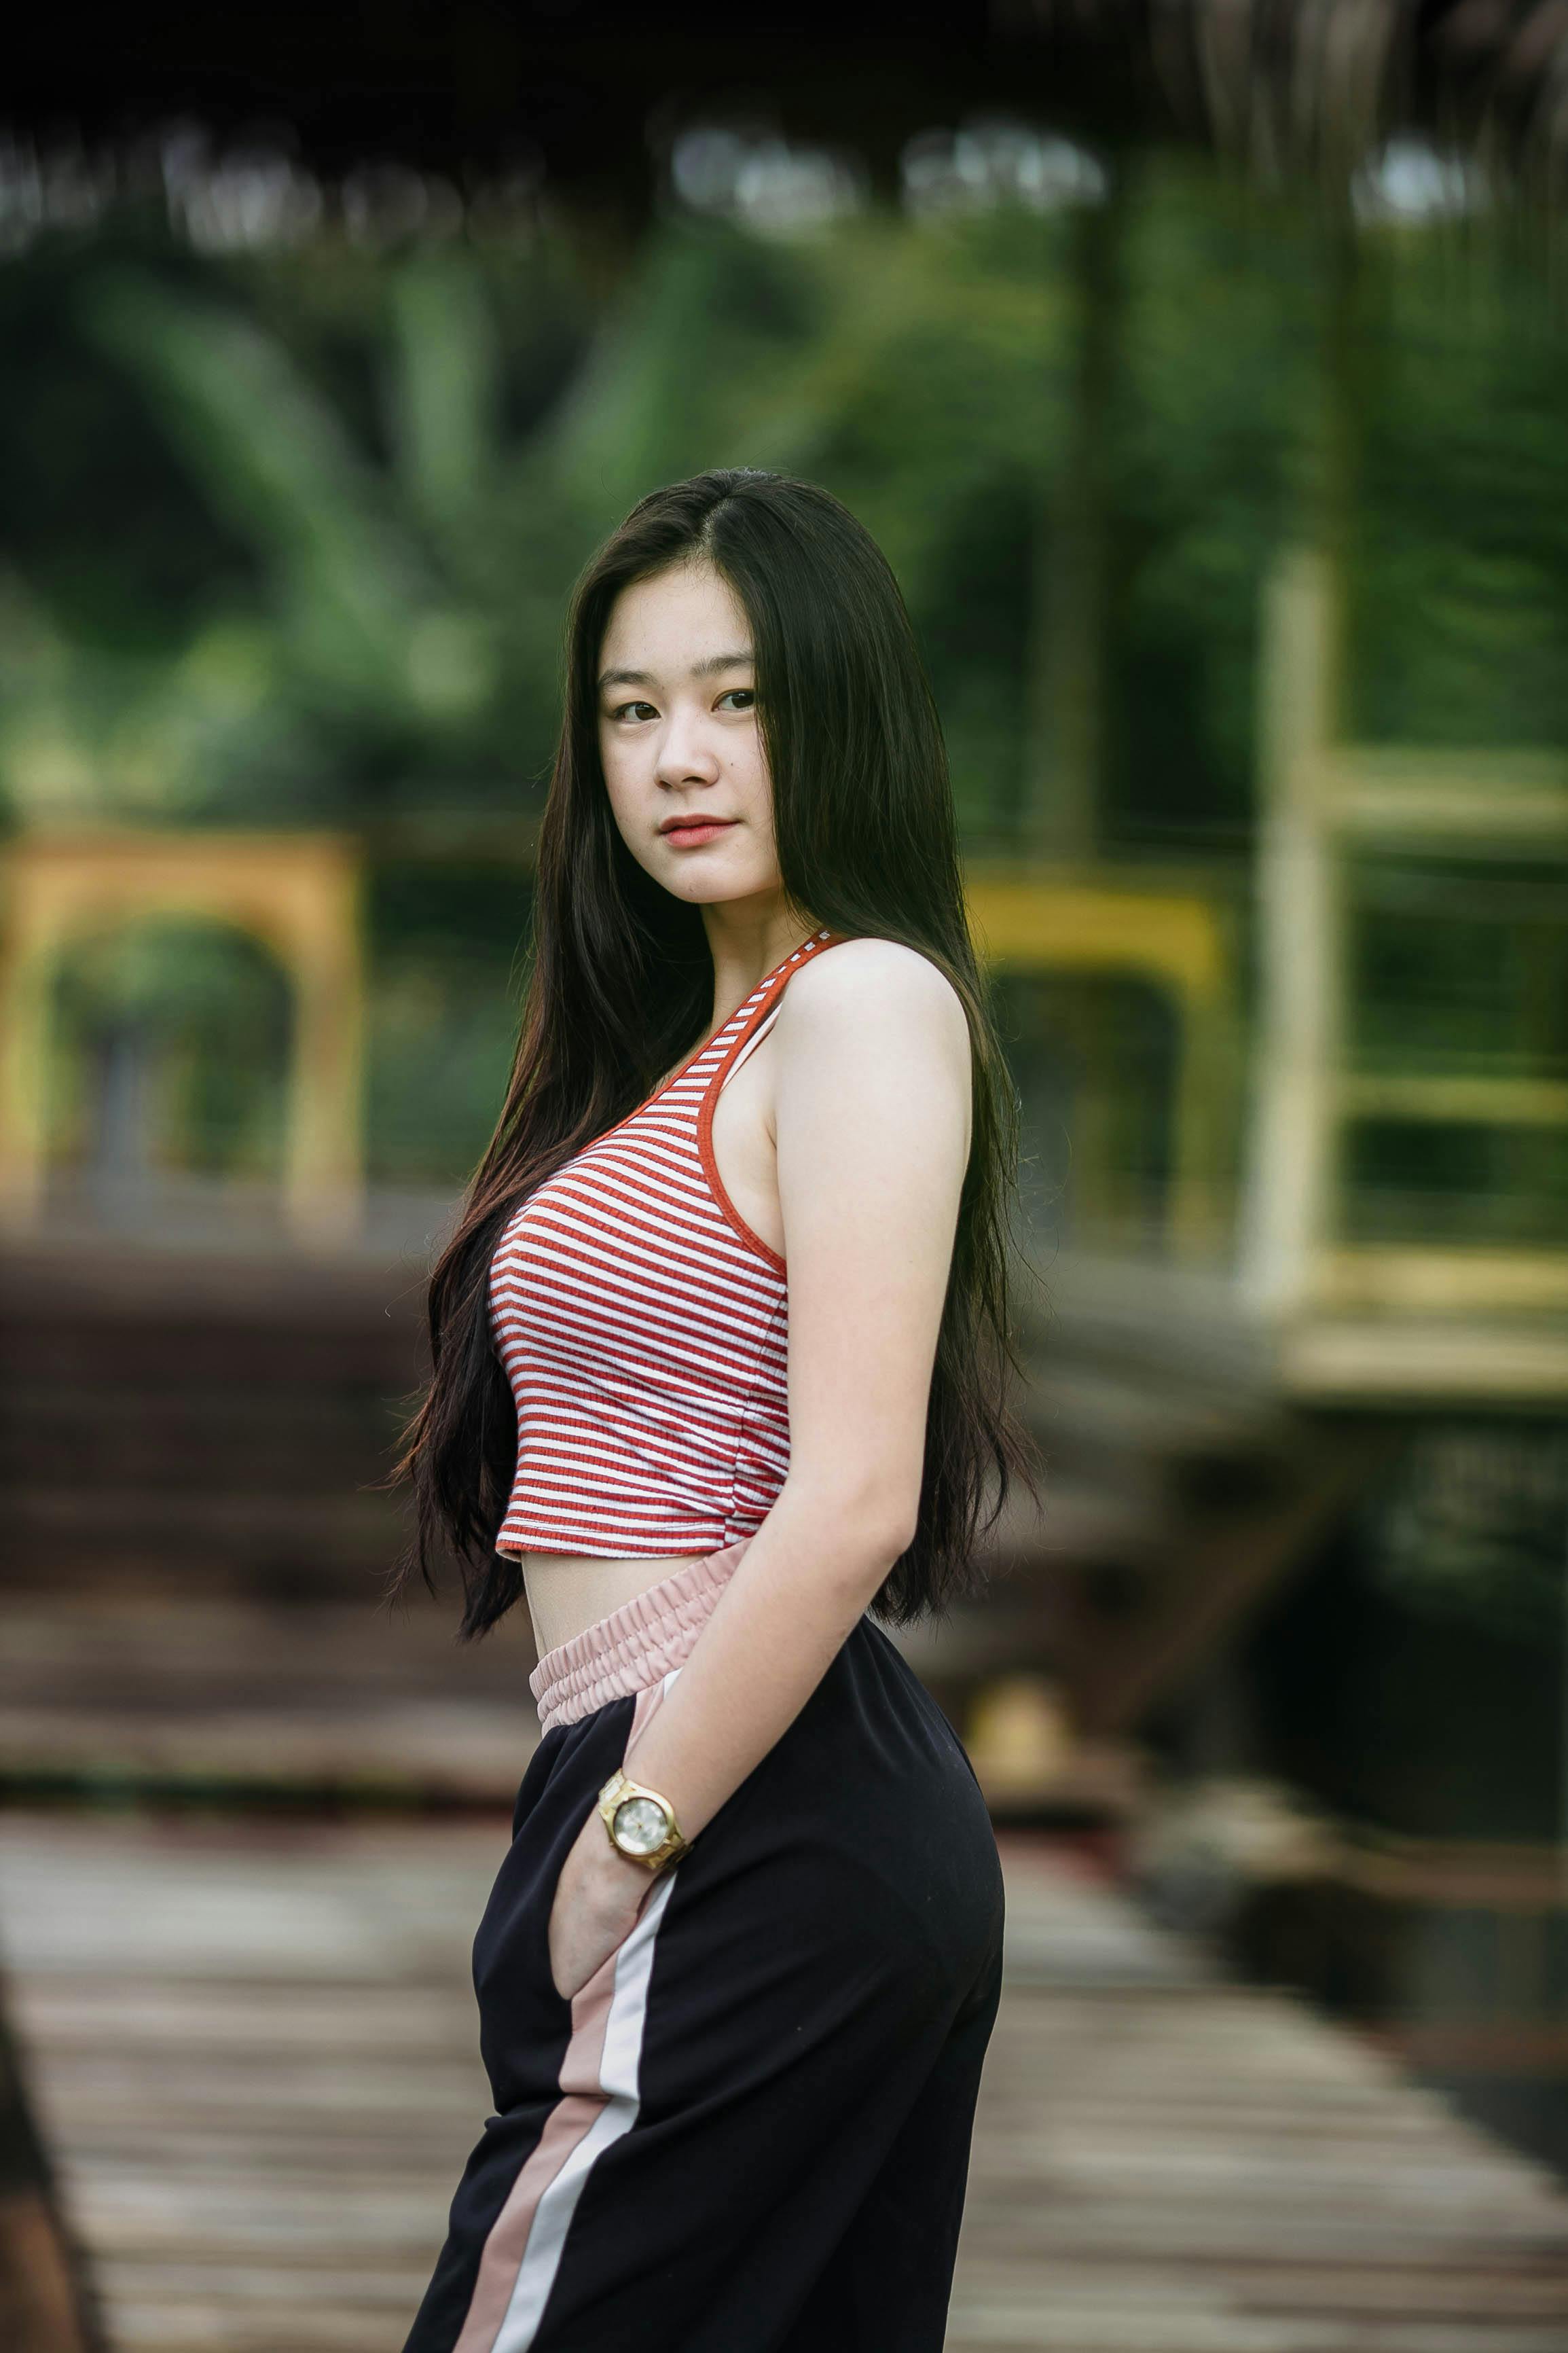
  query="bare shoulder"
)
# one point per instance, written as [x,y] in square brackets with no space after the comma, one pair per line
[879,989]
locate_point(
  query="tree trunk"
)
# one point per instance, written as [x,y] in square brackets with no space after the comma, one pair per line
[1072,565]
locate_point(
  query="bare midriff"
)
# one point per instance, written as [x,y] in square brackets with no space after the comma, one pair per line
[568,1591]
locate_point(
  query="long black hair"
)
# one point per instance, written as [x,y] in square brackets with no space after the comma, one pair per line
[620,986]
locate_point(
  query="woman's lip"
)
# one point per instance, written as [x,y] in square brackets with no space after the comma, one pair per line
[690,836]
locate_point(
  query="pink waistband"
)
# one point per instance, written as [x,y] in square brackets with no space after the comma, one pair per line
[636,1646]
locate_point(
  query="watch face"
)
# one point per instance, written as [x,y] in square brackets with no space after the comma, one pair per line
[641,1826]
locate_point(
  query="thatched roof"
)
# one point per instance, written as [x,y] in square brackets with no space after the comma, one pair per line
[592,91]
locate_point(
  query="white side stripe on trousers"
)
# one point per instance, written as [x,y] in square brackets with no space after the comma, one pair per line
[618,2073]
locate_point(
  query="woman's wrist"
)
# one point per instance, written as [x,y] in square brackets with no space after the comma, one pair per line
[620,1872]
[614,1875]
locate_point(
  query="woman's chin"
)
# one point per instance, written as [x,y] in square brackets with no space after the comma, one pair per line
[710,884]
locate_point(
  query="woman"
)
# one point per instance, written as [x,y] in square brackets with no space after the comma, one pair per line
[739,1968]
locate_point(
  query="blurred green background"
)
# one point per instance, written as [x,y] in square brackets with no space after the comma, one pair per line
[1202,370]
[288,525]
[1271,865]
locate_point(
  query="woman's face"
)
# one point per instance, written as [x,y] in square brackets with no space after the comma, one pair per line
[679,738]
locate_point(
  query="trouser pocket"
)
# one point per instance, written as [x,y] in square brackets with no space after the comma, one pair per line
[523,2020]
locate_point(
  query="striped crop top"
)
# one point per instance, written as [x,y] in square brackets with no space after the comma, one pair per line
[644,1329]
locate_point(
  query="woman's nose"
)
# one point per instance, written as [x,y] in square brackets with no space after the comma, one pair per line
[687,749]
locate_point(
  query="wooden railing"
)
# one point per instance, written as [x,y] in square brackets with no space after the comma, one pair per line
[298,894]
[1173,933]
[1416,1316]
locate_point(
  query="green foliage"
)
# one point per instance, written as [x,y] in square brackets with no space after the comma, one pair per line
[286,540]
[1460,564]
[388,638]
[445,964]
[1220,370]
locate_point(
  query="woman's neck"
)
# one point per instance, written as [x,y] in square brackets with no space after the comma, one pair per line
[746,944]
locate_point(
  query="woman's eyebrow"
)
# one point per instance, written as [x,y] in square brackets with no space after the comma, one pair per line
[714,663]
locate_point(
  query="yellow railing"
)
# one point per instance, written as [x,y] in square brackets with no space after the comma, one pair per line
[1173,936]
[298,894]
[1407,1318]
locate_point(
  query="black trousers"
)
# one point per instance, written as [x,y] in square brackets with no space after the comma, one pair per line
[750,2133]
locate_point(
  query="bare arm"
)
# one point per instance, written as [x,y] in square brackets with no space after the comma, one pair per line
[872,1108]
[872,1114]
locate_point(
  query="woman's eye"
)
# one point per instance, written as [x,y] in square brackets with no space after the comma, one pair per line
[633,710]
[740,698]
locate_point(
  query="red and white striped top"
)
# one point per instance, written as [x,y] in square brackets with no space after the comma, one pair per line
[644,1327]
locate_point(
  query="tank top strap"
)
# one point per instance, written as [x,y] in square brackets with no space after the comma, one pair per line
[760,1016]
[754,1038]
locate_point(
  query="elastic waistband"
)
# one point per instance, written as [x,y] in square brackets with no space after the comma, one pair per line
[636,1646]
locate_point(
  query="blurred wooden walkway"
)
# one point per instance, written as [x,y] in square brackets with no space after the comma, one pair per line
[253,2047]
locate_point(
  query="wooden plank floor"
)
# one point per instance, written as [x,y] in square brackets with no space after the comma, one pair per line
[253,2048]
[112,1690]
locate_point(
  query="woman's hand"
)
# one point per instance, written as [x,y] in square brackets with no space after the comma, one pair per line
[597,1898]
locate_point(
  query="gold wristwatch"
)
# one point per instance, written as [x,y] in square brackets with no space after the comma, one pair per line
[640,1823]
